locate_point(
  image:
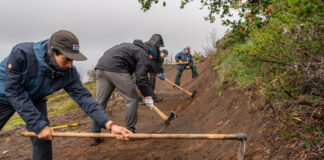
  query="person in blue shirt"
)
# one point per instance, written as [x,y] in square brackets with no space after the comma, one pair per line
[154,74]
[185,60]
[34,70]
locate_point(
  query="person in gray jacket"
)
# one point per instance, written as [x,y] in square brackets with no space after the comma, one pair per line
[114,70]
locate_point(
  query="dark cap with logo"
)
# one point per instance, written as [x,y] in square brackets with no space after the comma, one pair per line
[68,44]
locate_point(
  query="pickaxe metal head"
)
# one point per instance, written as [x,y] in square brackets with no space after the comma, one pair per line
[168,121]
[170,118]
[193,94]
[241,151]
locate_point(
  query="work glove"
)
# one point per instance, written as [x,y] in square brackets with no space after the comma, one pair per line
[149,102]
[161,76]
[188,67]
[180,62]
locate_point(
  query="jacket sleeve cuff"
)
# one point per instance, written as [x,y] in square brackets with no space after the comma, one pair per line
[104,124]
[38,128]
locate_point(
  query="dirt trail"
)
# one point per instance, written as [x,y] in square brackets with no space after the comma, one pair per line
[212,110]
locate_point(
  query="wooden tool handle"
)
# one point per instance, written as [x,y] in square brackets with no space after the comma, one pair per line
[176,63]
[160,113]
[187,92]
[239,136]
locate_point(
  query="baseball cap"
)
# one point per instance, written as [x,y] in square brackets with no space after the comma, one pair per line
[68,44]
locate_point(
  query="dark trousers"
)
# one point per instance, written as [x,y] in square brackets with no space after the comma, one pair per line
[178,76]
[42,149]
[152,83]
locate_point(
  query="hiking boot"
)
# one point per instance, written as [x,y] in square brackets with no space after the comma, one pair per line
[158,99]
[96,141]
[195,76]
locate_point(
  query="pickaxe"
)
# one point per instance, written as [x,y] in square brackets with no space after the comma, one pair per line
[239,136]
[185,91]
[167,120]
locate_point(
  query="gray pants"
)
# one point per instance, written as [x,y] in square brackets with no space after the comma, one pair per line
[106,83]
[42,149]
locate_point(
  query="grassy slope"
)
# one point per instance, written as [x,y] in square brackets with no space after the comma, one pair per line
[262,63]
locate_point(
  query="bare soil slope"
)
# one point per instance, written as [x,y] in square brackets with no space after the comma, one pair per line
[212,110]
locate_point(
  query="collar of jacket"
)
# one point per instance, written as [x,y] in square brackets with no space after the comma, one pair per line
[40,49]
[184,52]
[50,58]
[153,52]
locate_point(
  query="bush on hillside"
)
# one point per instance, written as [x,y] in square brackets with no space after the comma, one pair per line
[198,57]
[284,60]
[91,75]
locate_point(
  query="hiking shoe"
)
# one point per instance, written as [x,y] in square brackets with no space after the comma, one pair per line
[158,99]
[96,141]
[195,76]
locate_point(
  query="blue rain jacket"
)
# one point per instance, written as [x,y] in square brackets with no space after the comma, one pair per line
[25,77]
[184,57]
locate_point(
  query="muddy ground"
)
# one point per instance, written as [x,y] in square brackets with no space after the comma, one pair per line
[212,110]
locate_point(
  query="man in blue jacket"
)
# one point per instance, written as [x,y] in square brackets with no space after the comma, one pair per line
[114,70]
[34,70]
[185,60]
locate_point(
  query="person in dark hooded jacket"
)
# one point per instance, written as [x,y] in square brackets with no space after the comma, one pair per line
[114,70]
[34,70]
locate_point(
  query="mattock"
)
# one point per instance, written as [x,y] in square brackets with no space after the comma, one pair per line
[239,136]
[185,91]
[241,151]
[167,120]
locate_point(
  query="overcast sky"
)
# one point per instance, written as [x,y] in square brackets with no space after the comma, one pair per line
[101,24]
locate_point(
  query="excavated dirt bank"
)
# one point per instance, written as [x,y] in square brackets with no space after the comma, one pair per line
[212,110]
